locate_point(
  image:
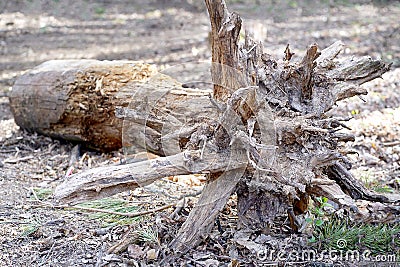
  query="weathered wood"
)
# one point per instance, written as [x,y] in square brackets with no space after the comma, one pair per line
[361,210]
[202,217]
[162,115]
[273,127]
[225,30]
[77,100]
[105,181]
[353,187]
[300,93]
[227,78]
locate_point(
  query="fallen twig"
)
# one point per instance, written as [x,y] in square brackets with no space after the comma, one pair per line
[7,151]
[395,143]
[34,195]
[13,222]
[100,256]
[13,161]
[124,243]
[127,214]
[48,253]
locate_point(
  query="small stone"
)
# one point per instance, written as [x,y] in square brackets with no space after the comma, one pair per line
[262,239]
[151,254]
[370,159]
[101,231]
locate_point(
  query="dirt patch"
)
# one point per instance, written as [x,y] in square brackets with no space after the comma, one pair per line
[32,232]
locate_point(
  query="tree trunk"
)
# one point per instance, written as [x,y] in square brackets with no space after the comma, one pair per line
[75,99]
[87,100]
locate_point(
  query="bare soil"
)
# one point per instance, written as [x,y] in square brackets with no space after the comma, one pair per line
[165,33]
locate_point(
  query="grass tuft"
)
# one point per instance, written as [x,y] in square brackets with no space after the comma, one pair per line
[378,239]
[112,204]
[99,10]
[42,193]
[149,235]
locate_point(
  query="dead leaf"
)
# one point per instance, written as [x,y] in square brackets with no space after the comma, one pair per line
[135,251]
[152,254]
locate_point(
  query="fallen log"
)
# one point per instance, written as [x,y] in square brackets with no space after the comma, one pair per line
[274,123]
[80,100]
[75,99]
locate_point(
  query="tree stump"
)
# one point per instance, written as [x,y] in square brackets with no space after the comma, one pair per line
[273,142]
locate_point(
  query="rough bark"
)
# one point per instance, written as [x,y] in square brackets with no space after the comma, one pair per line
[225,29]
[227,78]
[85,101]
[75,99]
[162,116]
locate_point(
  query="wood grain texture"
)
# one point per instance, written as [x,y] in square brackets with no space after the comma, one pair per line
[76,99]
[272,126]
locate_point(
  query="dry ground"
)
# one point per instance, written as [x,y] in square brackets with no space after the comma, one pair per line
[166,33]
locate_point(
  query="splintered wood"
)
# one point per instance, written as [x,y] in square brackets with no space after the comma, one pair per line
[76,99]
[270,139]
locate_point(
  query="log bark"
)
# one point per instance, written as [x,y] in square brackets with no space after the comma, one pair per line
[85,101]
[75,99]
[225,30]
[162,116]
